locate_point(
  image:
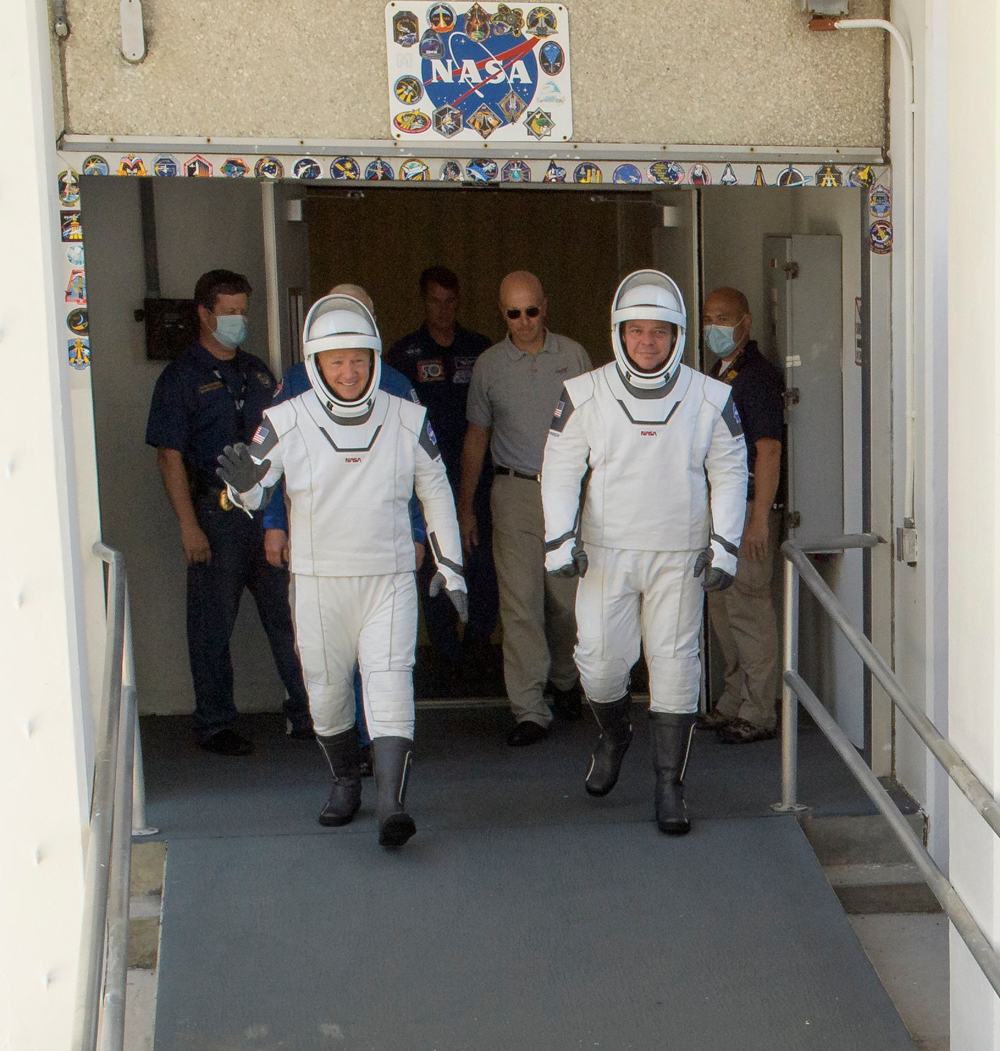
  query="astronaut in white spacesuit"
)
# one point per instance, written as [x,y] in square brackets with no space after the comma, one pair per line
[352,456]
[665,503]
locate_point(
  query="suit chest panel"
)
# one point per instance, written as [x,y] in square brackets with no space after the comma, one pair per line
[323,455]
[638,448]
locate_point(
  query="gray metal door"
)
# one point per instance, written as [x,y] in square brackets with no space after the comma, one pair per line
[804,331]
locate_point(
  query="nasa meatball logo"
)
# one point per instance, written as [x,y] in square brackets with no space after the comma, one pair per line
[477,72]
[489,84]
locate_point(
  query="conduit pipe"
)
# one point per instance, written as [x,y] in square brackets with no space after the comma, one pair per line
[826,24]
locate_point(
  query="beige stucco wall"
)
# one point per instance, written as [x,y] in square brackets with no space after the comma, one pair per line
[739,72]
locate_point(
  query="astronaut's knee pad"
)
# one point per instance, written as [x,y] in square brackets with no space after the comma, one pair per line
[674,684]
[603,679]
[331,706]
[389,703]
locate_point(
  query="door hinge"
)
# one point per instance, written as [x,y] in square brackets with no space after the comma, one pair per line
[906,543]
[791,396]
[791,271]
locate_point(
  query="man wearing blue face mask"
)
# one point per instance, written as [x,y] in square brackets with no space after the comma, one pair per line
[212,396]
[743,617]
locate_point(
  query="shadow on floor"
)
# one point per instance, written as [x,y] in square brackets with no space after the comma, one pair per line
[464,775]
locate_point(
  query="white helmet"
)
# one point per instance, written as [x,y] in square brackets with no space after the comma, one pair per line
[341,322]
[648,295]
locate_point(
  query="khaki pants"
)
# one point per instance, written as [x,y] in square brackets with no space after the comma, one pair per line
[536,609]
[745,623]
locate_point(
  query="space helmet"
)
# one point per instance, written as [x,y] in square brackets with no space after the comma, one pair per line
[648,295]
[341,322]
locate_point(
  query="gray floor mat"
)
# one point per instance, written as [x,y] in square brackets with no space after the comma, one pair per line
[521,938]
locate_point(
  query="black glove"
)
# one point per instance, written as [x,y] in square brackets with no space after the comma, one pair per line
[236,468]
[459,599]
[715,579]
[577,567]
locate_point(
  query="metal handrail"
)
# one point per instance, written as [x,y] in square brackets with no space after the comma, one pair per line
[118,798]
[795,690]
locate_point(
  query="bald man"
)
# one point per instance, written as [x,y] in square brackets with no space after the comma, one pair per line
[743,617]
[275,516]
[515,386]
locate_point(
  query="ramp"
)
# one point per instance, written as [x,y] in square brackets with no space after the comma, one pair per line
[524,916]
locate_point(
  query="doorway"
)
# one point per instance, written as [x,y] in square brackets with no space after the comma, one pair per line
[579,239]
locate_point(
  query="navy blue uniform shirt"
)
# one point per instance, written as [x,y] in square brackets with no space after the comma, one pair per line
[757,390]
[202,404]
[441,377]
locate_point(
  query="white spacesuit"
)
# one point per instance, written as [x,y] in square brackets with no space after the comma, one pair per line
[350,468]
[665,500]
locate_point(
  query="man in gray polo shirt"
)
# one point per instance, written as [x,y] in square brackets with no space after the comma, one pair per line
[515,386]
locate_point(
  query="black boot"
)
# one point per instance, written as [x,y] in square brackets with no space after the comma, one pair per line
[671,746]
[391,758]
[341,752]
[616,736]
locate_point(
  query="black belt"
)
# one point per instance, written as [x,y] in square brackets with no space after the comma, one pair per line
[509,471]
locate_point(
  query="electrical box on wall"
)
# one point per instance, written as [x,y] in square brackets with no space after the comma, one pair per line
[803,301]
[171,325]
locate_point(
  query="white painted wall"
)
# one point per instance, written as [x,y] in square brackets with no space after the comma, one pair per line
[973,443]
[201,224]
[45,732]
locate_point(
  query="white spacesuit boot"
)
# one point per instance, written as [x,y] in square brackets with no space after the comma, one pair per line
[391,758]
[343,755]
[615,722]
[671,733]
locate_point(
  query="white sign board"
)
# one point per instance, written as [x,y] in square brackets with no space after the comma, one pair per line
[486,72]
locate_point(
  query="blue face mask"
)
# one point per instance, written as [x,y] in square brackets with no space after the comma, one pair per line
[231,330]
[719,340]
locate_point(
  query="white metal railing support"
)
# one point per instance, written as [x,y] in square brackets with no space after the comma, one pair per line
[118,796]
[956,909]
[97,872]
[789,710]
[139,826]
[795,691]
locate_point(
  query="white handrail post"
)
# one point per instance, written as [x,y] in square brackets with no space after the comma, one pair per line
[139,826]
[789,702]
[97,879]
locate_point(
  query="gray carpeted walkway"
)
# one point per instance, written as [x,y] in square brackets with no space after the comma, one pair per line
[515,939]
[524,916]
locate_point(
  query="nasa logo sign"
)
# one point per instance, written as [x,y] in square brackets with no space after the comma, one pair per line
[480,72]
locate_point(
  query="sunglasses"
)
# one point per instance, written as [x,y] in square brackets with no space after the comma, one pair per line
[528,312]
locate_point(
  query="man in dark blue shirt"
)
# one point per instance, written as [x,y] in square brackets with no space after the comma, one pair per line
[743,617]
[438,359]
[212,396]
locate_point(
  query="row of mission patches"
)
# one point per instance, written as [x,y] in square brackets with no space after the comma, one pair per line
[659,173]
